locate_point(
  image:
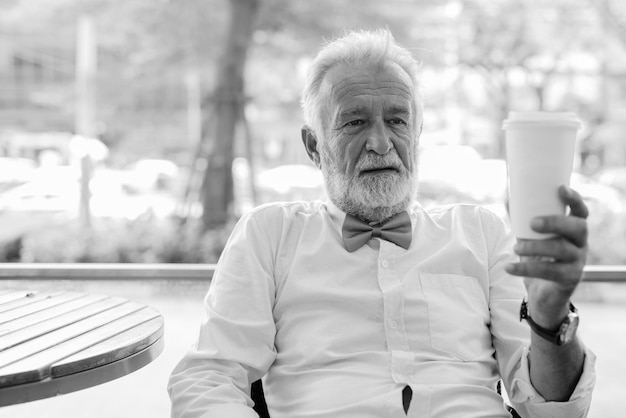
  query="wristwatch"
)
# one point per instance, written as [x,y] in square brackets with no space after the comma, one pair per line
[562,335]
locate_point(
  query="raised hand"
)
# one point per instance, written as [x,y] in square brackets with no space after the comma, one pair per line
[553,268]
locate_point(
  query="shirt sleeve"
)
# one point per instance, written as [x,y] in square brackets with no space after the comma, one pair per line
[511,338]
[236,342]
[529,403]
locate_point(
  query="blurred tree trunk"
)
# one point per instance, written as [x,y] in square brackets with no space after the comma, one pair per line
[228,98]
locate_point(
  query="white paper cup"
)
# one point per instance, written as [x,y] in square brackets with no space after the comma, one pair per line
[540,157]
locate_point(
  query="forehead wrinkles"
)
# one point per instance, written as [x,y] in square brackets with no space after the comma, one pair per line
[349,88]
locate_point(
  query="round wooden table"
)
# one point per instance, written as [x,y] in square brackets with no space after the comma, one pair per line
[53,343]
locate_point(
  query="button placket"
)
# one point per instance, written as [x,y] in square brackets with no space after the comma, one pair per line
[393,299]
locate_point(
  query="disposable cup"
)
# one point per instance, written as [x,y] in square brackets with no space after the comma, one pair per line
[540,157]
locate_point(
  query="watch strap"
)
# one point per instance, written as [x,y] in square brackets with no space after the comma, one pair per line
[554,336]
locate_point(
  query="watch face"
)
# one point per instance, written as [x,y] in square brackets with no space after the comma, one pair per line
[568,328]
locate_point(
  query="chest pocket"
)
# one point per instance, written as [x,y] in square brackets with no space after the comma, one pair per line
[458,315]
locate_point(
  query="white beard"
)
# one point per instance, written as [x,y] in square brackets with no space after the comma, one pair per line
[373,198]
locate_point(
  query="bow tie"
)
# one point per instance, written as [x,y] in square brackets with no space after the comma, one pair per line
[396,229]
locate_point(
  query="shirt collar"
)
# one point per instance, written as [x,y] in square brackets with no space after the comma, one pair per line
[336,215]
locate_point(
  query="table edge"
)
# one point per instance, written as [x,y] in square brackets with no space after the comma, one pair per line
[51,387]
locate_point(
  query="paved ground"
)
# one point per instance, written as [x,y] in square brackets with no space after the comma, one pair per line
[143,393]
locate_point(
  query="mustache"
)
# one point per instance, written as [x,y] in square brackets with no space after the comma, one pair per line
[372,161]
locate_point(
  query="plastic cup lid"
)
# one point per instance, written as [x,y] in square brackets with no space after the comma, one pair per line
[558,118]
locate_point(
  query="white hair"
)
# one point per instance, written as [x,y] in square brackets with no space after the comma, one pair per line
[371,49]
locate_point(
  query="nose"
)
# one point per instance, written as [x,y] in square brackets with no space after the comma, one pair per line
[378,140]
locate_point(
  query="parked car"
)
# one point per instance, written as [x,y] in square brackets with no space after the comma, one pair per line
[148,175]
[290,182]
[40,196]
[58,191]
[49,189]
[598,196]
[614,177]
[14,171]
[459,174]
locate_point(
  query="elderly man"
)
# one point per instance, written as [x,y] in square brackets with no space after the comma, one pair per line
[369,305]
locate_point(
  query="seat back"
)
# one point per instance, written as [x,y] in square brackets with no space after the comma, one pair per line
[258,397]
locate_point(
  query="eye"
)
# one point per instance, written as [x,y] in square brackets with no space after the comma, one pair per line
[397,121]
[355,122]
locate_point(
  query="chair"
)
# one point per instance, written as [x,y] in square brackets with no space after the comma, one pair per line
[258,397]
[509,408]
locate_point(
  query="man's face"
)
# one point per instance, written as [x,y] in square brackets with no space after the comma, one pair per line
[368,153]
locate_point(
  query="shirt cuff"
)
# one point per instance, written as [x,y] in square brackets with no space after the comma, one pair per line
[221,411]
[526,399]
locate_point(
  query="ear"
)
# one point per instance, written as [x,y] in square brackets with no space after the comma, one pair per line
[310,144]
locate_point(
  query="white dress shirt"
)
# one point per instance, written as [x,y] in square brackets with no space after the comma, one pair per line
[340,334]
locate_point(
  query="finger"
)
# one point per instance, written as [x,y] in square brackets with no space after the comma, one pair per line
[572,228]
[555,248]
[553,271]
[574,200]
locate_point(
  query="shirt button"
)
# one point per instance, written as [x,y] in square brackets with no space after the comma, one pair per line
[393,324]
[385,264]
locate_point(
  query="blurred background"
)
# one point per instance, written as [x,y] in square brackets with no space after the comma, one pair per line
[135,128]
[139,131]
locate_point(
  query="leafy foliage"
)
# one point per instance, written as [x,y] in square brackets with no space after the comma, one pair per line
[144,240]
